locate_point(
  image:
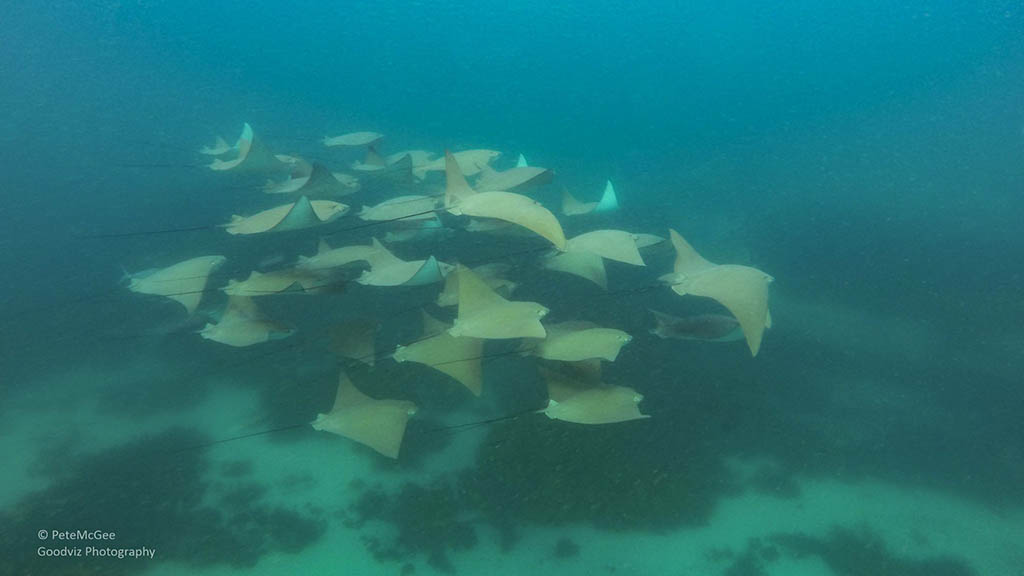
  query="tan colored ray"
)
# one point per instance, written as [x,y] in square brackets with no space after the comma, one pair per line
[514,208]
[574,341]
[252,156]
[379,424]
[508,180]
[574,401]
[327,258]
[741,289]
[458,357]
[406,208]
[313,181]
[386,269]
[491,274]
[582,264]
[243,324]
[485,314]
[470,162]
[353,139]
[303,213]
[219,148]
[617,245]
[183,282]
[461,200]
[354,340]
[277,282]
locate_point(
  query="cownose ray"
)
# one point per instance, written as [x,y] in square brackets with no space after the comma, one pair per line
[579,402]
[470,162]
[220,147]
[521,161]
[514,178]
[354,340]
[298,215]
[327,258]
[283,281]
[379,424]
[252,155]
[492,274]
[353,139]
[583,264]
[386,269]
[617,245]
[462,200]
[458,357]
[706,327]
[741,289]
[183,282]
[572,207]
[574,341]
[243,324]
[405,208]
[313,180]
[484,314]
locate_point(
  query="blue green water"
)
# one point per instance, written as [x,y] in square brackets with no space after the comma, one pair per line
[869,157]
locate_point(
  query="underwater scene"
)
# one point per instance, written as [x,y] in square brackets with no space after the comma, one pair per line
[594,288]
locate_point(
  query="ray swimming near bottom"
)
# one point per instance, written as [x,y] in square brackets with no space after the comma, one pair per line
[379,424]
[573,400]
[243,324]
[485,314]
[741,289]
[458,357]
[576,340]
[183,282]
